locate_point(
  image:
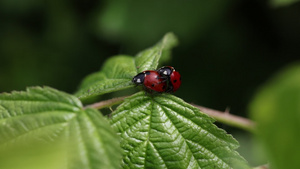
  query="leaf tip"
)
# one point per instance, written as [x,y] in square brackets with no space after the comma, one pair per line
[170,40]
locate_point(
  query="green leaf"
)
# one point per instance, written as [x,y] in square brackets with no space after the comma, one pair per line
[163,131]
[45,115]
[276,110]
[117,72]
[281,3]
[148,59]
[115,75]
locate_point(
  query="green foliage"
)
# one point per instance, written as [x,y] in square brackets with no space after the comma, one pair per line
[117,72]
[142,22]
[157,131]
[45,115]
[276,110]
[34,155]
[280,3]
[163,131]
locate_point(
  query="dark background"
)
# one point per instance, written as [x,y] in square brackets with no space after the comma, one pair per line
[228,48]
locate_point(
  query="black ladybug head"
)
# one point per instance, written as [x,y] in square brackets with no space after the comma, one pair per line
[139,78]
[165,71]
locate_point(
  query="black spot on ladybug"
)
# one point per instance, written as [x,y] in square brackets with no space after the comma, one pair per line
[147,73]
[153,85]
[174,81]
[164,87]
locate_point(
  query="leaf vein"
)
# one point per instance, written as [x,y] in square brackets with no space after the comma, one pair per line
[179,133]
[32,130]
[191,121]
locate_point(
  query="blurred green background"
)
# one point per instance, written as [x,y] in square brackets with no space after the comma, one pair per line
[227,49]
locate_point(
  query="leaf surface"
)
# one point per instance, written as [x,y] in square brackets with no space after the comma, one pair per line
[163,131]
[45,115]
[276,109]
[117,72]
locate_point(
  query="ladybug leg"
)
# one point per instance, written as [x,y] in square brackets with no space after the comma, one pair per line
[136,85]
[164,79]
[150,92]
[147,91]
[170,89]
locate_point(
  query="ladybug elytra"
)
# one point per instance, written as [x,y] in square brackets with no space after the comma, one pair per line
[173,77]
[164,79]
[151,80]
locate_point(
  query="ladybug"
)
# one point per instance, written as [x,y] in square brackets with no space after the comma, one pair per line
[151,80]
[173,77]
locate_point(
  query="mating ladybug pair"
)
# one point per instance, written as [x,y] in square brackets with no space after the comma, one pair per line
[165,79]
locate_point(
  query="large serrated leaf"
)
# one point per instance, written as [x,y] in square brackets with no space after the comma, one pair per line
[163,131]
[50,116]
[117,72]
[276,110]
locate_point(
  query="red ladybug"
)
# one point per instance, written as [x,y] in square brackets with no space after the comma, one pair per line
[173,77]
[151,80]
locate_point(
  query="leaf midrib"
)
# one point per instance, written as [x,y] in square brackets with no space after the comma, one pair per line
[98,136]
[148,136]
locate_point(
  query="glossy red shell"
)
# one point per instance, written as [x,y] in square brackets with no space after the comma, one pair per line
[154,81]
[175,79]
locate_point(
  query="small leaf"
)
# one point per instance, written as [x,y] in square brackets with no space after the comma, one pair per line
[117,72]
[47,115]
[276,110]
[115,75]
[148,59]
[281,3]
[163,131]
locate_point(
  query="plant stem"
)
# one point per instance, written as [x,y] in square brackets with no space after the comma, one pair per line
[223,117]
[229,119]
[106,103]
[262,167]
